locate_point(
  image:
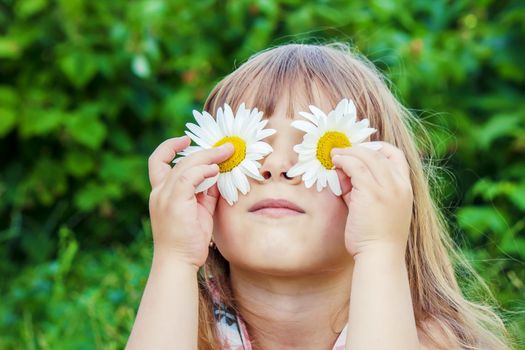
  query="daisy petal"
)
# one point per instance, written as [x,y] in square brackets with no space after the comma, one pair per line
[229,119]
[256,115]
[239,119]
[350,113]
[207,124]
[207,183]
[251,128]
[307,157]
[333,182]
[225,187]
[260,147]
[265,133]
[294,171]
[321,181]
[323,122]
[221,185]
[232,190]
[304,148]
[309,175]
[240,180]
[198,140]
[310,117]
[298,169]
[358,136]
[204,134]
[191,149]
[309,182]
[212,124]
[341,107]
[363,123]
[221,122]
[262,124]
[185,152]
[317,112]
[250,169]
[254,156]
[304,126]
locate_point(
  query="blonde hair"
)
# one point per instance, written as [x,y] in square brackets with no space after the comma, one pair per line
[431,256]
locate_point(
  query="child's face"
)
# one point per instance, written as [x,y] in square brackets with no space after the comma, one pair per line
[308,242]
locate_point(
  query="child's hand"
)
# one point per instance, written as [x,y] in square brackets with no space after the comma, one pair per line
[181,220]
[377,190]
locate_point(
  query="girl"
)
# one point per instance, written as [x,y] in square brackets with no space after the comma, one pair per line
[369,269]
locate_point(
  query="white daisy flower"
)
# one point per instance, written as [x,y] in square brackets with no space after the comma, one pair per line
[338,129]
[244,131]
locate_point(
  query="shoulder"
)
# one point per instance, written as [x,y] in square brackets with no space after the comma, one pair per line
[430,330]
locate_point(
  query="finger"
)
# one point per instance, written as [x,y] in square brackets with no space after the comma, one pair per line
[205,156]
[359,174]
[211,156]
[397,156]
[208,199]
[374,160]
[159,160]
[344,181]
[184,185]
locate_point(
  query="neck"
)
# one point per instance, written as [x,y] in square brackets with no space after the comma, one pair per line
[280,310]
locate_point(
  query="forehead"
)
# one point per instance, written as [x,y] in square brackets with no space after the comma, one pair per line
[290,102]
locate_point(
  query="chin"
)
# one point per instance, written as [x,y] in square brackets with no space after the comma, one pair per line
[288,262]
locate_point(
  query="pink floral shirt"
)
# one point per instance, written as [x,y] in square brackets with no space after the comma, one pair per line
[233,333]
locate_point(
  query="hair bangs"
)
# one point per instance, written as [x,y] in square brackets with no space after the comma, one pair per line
[299,75]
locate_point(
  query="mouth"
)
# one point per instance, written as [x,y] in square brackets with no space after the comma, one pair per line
[276,212]
[276,208]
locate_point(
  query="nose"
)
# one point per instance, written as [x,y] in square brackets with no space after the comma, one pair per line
[277,163]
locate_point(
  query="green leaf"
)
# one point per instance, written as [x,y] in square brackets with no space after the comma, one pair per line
[7,120]
[79,163]
[85,128]
[39,121]
[478,221]
[47,180]
[8,109]
[68,247]
[79,67]
[9,48]
[93,194]
[498,126]
[517,196]
[27,8]
[120,168]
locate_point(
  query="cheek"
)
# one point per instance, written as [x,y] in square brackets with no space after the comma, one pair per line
[224,219]
[332,216]
[229,225]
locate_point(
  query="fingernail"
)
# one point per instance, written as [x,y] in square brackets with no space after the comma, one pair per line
[335,151]
[373,145]
[225,146]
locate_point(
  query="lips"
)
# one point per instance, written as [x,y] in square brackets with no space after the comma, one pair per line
[276,203]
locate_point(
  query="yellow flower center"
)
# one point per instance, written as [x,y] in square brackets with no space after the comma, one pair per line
[238,155]
[331,139]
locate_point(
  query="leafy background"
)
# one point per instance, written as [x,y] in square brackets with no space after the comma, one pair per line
[88,89]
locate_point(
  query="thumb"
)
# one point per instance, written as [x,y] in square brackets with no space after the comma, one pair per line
[344,180]
[209,198]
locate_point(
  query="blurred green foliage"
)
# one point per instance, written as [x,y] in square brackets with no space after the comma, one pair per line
[88,89]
